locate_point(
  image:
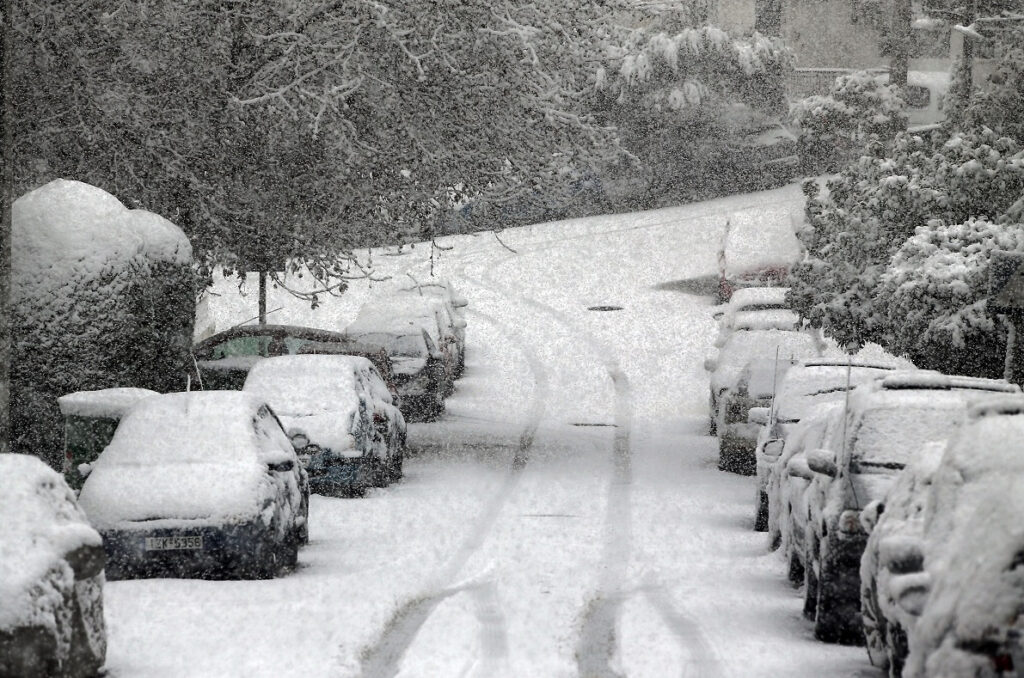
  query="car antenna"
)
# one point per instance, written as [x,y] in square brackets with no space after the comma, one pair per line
[775,376]
[199,376]
[846,408]
[255,317]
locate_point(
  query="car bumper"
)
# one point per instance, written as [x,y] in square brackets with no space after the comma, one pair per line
[223,549]
[343,478]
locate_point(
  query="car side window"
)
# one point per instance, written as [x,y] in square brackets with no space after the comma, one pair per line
[238,346]
[294,345]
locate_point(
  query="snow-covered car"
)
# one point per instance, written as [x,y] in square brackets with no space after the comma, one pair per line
[890,523]
[90,419]
[742,347]
[963,582]
[338,414]
[755,308]
[51,576]
[886,422]
[758,248]
[388,311]
[224,359]
[202,483]
[789,481]
[454,305]
[800,392]
[419,366]
[755,388]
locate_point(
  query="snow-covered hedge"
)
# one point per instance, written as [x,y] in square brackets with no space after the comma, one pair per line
[101,296]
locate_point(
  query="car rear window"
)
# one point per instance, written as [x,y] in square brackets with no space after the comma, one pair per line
[891,436]
[236,346]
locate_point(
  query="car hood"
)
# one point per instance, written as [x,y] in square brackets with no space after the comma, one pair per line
[116,495]
[330,430]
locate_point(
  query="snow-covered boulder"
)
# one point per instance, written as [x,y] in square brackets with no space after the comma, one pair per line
[101,296]
[51,576]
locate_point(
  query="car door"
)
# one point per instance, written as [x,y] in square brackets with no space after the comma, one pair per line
[286,475]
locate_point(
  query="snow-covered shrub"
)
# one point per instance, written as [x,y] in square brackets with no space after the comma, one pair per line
[873,207]
[101,296]
[860,105]
[935,291]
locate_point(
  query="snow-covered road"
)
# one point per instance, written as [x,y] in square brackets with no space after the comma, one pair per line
[565,518]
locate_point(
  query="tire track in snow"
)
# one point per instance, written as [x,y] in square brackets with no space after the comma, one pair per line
[703,661]
[383,658]
[597,637]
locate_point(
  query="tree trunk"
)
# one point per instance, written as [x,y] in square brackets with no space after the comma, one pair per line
[263,298]
[6,199]
[900,45]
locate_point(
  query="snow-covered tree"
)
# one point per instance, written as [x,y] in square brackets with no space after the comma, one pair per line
[899,242]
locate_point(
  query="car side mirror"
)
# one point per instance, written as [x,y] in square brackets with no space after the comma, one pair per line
[759,415]
[870,515]
[773,448]
[84,470]
[901,554]
[281,466]
[797,467]
[911,591]
[822,461]
[710,364]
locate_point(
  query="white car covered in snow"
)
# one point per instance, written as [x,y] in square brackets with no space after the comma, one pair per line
[758,248]
[339,416]
[755,308]
[203,483]
[891,523]
[51,576]
[742,347]
[964,581]
[886,422]
[798,394]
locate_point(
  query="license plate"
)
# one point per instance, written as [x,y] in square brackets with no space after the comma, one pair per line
[174,543]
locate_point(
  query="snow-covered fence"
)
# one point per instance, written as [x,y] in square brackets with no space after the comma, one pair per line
[101,296]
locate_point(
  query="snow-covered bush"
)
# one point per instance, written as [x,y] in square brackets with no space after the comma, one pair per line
[101,296]
[935,291]
[866,214]
[860,105]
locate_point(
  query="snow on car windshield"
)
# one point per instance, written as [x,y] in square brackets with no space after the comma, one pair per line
[892,435]
[306,384]
[743,346]
[409,345]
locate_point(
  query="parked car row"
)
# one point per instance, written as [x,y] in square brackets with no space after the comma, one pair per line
[759,339]
[891,493]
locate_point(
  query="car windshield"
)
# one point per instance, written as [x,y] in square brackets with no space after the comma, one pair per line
[407,345]
[888,437]
[239,346]
[743,346]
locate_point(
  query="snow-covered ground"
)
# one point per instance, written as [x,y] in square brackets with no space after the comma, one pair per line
[565,517]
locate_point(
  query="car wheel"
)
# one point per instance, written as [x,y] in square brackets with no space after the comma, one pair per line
[810,585]
[380,475]
[875,634]
[396,466]
[761,514]
[795,571]
[837,614]
[898,649]
[88,648]
[290,552]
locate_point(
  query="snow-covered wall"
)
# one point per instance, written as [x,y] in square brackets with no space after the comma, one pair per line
[101,296]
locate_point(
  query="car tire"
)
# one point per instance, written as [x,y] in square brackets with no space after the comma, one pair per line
[380,473]
[398,460]
[837,617]
[761,513]
[88,648]
[810,585]
[795,572]
[875,631]
[898,649]
[290,552]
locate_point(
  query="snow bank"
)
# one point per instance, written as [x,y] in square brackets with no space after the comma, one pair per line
[40,523]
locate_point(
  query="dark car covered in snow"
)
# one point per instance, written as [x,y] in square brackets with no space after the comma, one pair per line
[51,576]
[203,483]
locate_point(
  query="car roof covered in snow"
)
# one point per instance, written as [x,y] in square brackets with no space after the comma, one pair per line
[107,403]
[300,385]
[760,238]
[40,523]
[757,296]
[812,382]
[768,319]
